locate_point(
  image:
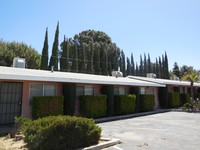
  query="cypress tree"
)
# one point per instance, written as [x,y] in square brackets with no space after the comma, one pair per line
[157,69]
[132,65]
[149,64]
[145,65]
[166,66]
[123,63]
[96,58]
[45,53]
[141,69]
[54,56]
[74,67]
[64,64]
[137,73]
[90,59]
[104,69]
[160,68]
[82,65]
[128,71]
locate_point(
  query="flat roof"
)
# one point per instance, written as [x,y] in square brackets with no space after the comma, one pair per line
[164,81]
[10,73]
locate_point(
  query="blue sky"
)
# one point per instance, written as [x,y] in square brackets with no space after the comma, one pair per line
[136,26]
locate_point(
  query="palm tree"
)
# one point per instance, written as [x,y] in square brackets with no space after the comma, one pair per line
[192,77]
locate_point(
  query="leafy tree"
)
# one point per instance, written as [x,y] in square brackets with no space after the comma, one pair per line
[192,77]
[45,53]
[105,42]
[9,50]
[176,70]
[54,56]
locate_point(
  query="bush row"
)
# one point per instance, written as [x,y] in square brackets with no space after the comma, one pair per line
[173,99]
[147,102]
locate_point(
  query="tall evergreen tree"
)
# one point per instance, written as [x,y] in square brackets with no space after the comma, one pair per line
[141,67]
[54,56]
[132,65]
[90,54]
[160,68]
[96,48]
[166,66]
[145,65]
[45,53]
[149,64]
[82,57]
[163,67]
[123,63]
[104,69]
[128,70]
[137,73]
[74,67]
[64,60]
[157,69]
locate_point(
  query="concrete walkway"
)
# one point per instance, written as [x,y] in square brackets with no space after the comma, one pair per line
[166,131]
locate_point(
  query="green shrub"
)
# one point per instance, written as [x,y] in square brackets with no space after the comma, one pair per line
[43,106]
[163,97]
[109,91]
[124,104]
[20,122]
[173,100]
[184,98]
[136,91]
[61,132]
[93,106]
[147,102]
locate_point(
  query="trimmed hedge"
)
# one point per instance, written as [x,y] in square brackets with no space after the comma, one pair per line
[184,98]
[43,106]
[109,91]
[136,91]
[173,99]
[163,97]
[93,106]
[147,102]
[124,104]
[61,132]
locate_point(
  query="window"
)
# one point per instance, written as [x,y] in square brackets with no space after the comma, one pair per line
[42,90]
[89,90]
[142,90]
[119,90]
[79,90]
[84,90]
[151,91]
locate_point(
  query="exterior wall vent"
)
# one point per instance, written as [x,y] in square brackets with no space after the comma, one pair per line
[19,62]
[151,75]
[117,74]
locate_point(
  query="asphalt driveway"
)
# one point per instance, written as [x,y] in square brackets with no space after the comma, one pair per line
[166,131]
